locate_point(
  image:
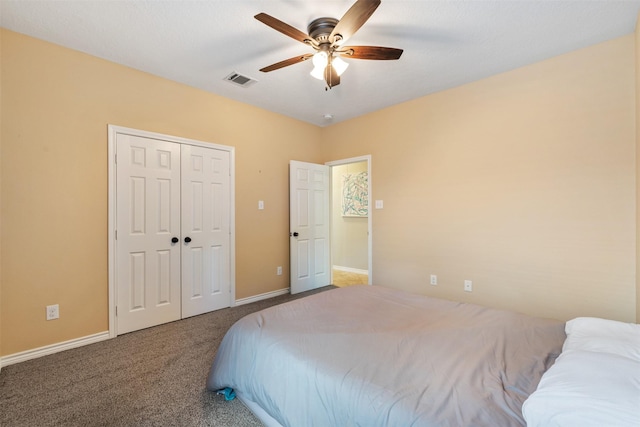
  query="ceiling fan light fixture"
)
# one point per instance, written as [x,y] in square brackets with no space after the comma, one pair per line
[318,73]
[339,65]
[320,61]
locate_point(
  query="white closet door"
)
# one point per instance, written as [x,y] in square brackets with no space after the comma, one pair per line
[206,284]
[148,218]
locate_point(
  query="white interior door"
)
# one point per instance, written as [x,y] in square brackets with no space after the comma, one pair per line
[309,226]
[148,218]
[173,230]
[205,230]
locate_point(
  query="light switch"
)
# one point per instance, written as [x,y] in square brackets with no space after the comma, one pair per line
[260,204]
[379,204]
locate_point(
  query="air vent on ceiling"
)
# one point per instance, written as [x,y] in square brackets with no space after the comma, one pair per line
[240,80]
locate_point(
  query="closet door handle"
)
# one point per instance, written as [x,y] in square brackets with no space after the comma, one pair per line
[175,240]
[187,239]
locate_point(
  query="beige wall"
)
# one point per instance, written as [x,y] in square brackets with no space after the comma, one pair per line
[349,235]
[637,57]
[1,353]
[523,182]
[56,104]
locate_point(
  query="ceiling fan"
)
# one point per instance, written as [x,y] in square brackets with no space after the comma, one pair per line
[326,36]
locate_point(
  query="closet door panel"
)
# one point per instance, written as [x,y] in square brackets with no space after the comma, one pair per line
[206,220]
[147,218]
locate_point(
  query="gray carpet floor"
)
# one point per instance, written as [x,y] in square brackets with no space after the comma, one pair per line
[153,377]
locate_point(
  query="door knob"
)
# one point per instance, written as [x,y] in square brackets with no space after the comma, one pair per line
[295,234]
[175,240]
[187,239]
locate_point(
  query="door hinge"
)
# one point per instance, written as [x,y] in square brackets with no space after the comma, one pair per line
[115,159]
[116,311]
[116,234]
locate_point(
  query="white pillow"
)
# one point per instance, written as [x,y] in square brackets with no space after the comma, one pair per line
[603,336]
[586,389]
[596,380]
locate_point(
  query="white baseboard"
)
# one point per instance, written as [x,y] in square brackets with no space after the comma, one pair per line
[53,348]
[350,270]
[261,297]
[91,339]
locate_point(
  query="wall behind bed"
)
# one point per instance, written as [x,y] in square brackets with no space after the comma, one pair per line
[524,182]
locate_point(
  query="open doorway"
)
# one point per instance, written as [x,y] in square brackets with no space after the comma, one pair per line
[350,221]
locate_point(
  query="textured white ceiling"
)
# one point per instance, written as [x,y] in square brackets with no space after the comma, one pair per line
[198,43]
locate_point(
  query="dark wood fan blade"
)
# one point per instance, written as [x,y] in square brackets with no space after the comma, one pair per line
[355,17]
[284,28]
[286,62]
[331,77]
[369,52]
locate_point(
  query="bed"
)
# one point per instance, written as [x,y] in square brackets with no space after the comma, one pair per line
[374,356]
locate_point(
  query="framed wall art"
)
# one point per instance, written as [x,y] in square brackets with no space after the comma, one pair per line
[355,195]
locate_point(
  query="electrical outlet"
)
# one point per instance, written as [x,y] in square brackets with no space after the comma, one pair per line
[434,279]
[279,270]
[53,312]
[468,286]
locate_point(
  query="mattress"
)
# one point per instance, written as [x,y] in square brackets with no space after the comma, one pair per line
[375,356]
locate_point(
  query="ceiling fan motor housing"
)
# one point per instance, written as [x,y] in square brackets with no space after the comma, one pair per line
[320,29]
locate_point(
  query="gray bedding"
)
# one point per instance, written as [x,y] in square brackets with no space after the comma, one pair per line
[373,356]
